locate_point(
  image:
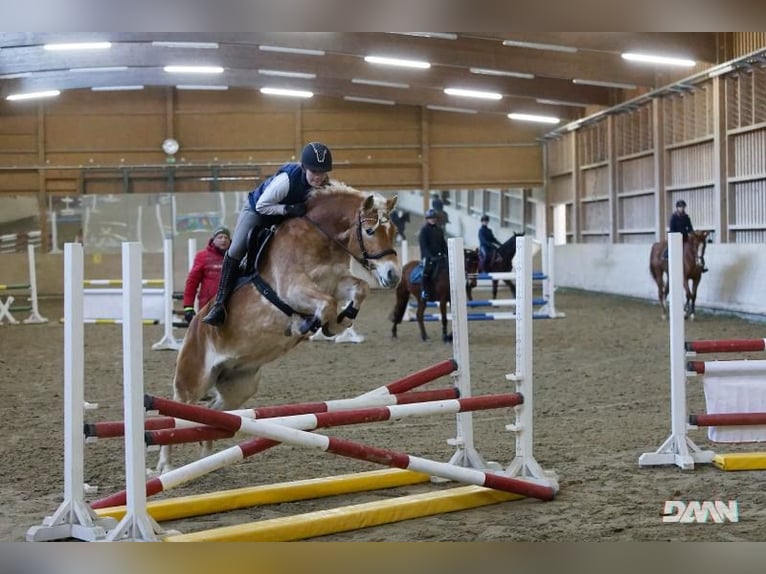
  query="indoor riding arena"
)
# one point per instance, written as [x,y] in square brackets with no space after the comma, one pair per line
[581,405]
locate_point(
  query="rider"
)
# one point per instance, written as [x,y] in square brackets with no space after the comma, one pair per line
[433,246]
[282,195]
[680,222]
[205,273]
[487,243]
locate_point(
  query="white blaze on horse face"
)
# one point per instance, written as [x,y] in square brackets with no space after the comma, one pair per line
[388,273]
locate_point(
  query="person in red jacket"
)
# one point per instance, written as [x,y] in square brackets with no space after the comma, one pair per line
[205,272]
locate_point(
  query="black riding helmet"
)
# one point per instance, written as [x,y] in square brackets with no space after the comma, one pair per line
[317,157]
[680,203]
[484,218]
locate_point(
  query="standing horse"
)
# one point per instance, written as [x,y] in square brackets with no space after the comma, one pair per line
[306,275]
[693,257]
[500,261]
[411,285]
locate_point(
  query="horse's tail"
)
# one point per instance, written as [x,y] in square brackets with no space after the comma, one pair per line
[402,299]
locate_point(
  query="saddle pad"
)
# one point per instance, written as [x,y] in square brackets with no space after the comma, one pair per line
[416,275]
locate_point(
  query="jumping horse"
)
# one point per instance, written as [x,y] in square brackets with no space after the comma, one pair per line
[500,261]
[411,285]
[693,257]
[305,285]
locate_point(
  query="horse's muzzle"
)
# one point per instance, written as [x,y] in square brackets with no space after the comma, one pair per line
[388,275]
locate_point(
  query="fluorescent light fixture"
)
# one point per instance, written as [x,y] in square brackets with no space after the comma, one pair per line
[15,76]
[199,45]
[303,51]
[379,83]
[473,93]
[101,69]
[490,72]
[449,109]
[720,71]
[285,74]
[386,61]
[662,60]
[369,100]
[33,95]
[193,69]
[117,88]
[561,103]
[439,35]
[604,84]
[287,92]
[573,126]
[201,87]
[78,46]
[538,46]
[533,118]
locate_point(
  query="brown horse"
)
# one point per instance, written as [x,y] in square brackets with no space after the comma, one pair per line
[500,261]
[693,257]
[441,291]
[306,265]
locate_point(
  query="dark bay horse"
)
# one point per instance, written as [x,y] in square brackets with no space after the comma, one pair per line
[500,261]
[693,256]
[307,265]
[441,291]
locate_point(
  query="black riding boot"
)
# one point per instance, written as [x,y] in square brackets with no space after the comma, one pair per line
[229,274]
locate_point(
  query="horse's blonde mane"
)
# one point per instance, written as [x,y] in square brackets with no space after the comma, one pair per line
[334,187]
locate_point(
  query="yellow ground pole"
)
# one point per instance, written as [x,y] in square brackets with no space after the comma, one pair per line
[224,500]
[355,517]
[741,461]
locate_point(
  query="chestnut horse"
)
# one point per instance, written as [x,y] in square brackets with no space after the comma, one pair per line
[693,257]
[306,264]
[441,291]
[500,261]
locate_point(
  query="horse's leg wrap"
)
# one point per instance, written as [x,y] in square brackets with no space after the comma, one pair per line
[350,311]
[310,324]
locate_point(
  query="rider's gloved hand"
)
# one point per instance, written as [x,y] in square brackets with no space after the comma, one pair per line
[189,314]
[296,209]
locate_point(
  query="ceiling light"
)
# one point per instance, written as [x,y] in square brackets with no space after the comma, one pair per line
[490,72]
[604,84]
[116,88]
[284,74]
[78,46]
[194,69]
[663,60]
[287,92]
[561,103]
[534,118]
[33,95]
[386,61]
[379,83]
[15,76]
[573,126]
[473,93]
[448,109]
[201,87]
[369,100]
[101,69]
[720,71]
[200,45]
[439,35]
[302,51]
[537,46]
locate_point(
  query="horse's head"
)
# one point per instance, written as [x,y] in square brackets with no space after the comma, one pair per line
[696,244]
[375,239]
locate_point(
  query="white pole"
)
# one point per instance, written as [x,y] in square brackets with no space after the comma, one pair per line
[34,316]
[136,524]
[74,518]
[191,251]
[168,341]
[524,463]
[404,255]
[466,454]
[54,233]
[678,448]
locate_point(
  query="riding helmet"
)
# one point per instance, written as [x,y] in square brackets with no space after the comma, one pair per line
[430,214]
[680,203]
[317,157]
[484,218]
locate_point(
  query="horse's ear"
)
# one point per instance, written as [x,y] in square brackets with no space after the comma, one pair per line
[369,203]
[391,203]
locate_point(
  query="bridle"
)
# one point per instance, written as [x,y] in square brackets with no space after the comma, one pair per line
[364,261]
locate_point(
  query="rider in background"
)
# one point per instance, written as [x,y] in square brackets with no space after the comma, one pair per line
[433,246]
[205,273]
[680,222]
[487,243]
[280,196]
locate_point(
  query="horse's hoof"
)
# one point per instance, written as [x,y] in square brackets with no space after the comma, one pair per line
[447,338]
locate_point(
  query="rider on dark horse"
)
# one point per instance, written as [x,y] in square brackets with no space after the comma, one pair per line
[487,244]
[680,222]
[433,248]
[280,196]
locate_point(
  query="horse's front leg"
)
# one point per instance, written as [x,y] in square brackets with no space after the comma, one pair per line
[420,316]
[354,291]
[320,307]
[689,305]
[447,338]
